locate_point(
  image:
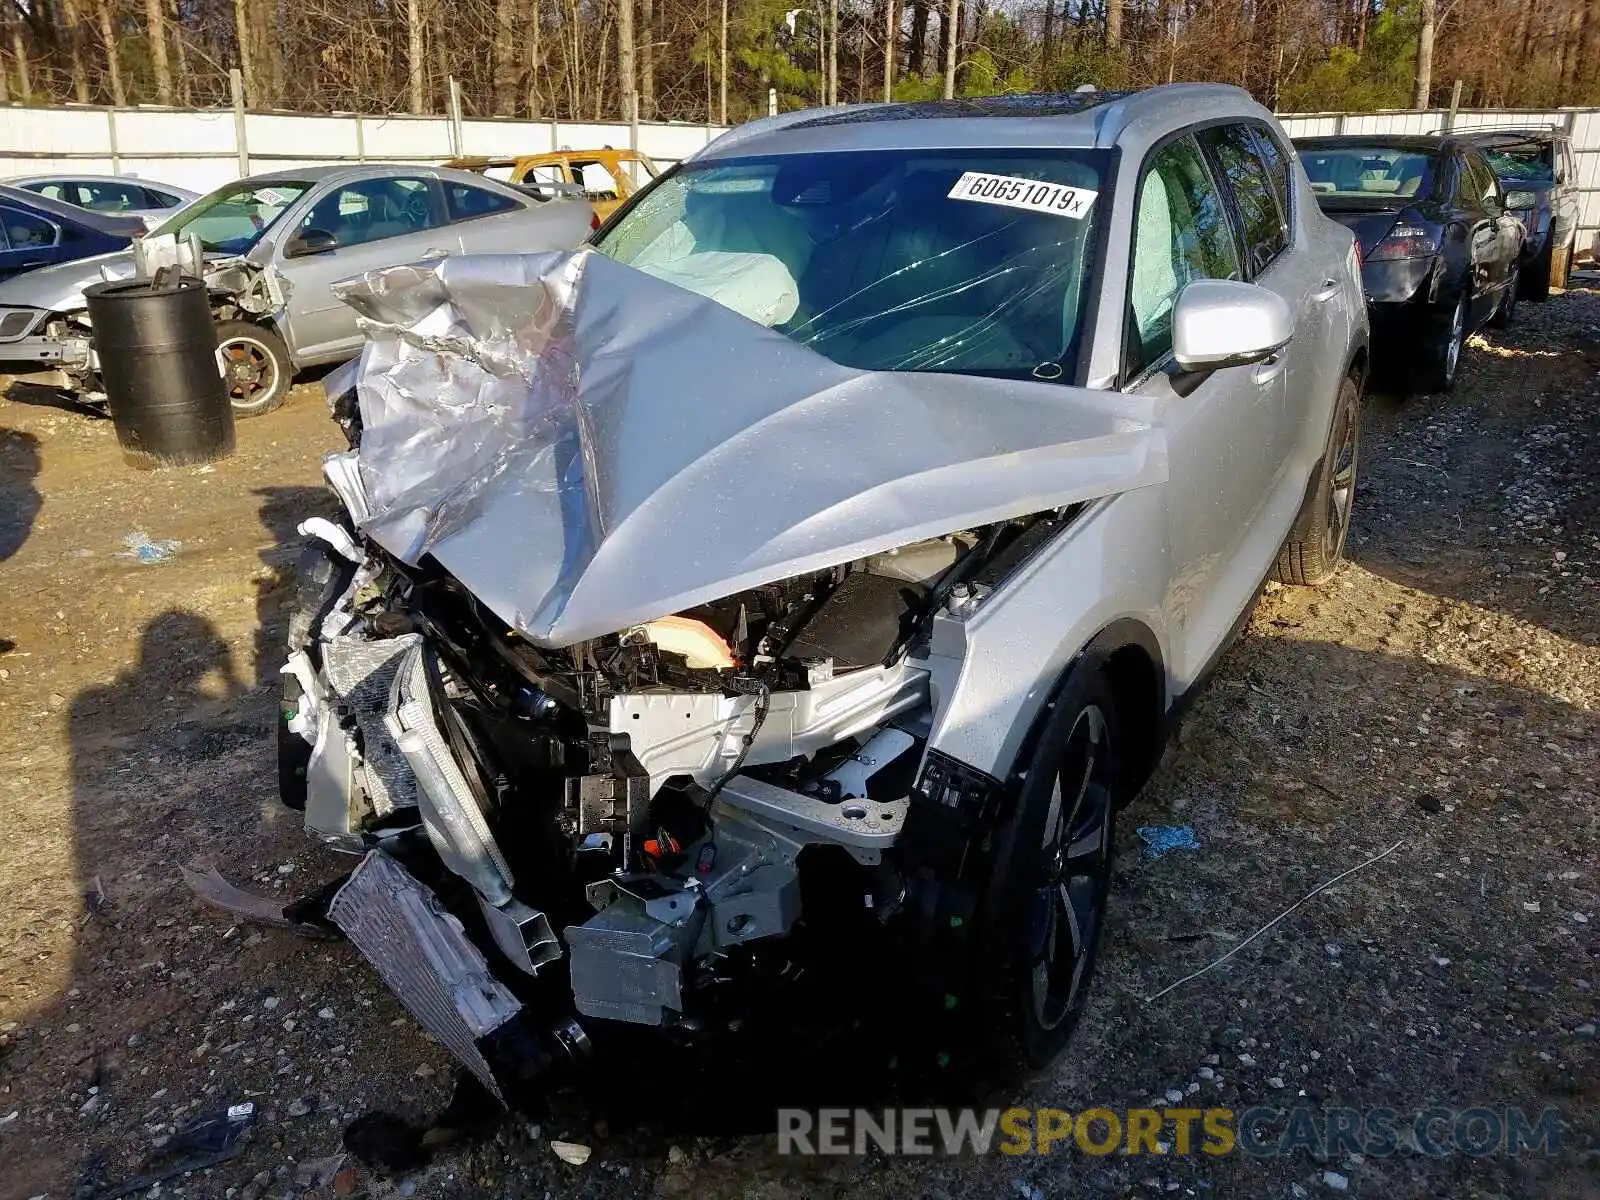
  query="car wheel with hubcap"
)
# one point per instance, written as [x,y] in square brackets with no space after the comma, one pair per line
[1046,899]
[1315,545]
[256,368]
[1442,356]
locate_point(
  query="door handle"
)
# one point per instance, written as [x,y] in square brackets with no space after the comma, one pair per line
[1329,289]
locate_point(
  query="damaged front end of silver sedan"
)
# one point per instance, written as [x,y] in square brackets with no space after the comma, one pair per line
[626,665]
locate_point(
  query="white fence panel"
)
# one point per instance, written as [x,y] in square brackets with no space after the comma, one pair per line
[198,150]
[401,138]
[269,137]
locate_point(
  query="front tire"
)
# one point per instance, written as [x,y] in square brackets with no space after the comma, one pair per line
[1536,279]
[257,370]
[1047,897]
[1315,545]
[1507,308]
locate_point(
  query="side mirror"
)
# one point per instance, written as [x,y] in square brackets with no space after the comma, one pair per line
[311,241]
[1221,323]
[1521,200]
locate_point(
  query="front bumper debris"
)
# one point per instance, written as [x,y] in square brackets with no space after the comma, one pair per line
[425,957]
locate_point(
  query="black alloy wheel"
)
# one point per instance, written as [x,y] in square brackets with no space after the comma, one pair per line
[1051,879]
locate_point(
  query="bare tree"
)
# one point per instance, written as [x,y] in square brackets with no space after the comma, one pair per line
[155,25]
[647,60]
[1424,82]
[416,67]
[625,68]
[505,58]
[108,42]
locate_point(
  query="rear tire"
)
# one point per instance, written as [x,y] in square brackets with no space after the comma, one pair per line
[1441,354]
[1315,545]
[1045,905]
[258,370]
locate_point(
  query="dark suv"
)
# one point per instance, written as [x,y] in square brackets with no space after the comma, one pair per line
[1538,161]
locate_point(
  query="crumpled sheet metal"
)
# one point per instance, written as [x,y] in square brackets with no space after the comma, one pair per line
[586,447]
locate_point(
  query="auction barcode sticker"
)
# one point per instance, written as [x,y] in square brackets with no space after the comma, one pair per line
[1033,195]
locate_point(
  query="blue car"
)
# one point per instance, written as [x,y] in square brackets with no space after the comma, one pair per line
[36,231]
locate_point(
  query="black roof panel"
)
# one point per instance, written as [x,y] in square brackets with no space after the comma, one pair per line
[1037,104]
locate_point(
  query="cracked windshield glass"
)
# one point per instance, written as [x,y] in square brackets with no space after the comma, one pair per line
[971,262]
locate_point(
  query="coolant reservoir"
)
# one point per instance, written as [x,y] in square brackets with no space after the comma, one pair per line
[695,640]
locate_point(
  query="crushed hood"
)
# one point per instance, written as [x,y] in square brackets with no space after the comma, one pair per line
[586,447]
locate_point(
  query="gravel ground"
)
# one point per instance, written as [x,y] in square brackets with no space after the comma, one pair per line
[1440,696]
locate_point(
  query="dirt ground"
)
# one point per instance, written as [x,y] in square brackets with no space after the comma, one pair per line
[1443,694]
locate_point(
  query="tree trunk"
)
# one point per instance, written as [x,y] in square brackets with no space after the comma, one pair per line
[952,17]
[181,55]
[1047,51]
[626,77]
[108,39]
[1113,23]
[505,58]
[439,42]
[1363,14]
[916,51]
[74,40]
[722,69]
[155,23]
[247,57]
[647,63]
[891,25]
[19,51]
[1424,87]
[415,71]
[535,67]
[269,62]
[833,51]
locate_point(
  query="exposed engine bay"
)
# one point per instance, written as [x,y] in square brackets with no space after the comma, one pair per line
[629,709]
[652,794]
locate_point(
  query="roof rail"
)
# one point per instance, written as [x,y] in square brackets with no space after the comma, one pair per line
[1530,127]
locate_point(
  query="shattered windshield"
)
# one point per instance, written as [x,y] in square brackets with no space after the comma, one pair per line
[232,219]
[1526,162]
[966,261]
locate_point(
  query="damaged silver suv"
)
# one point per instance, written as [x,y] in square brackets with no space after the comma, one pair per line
[815,563]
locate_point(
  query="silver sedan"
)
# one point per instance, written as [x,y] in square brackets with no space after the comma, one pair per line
[115,195]
[273,245]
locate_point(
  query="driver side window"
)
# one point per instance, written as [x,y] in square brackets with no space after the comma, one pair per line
[370,210]
[1181,233]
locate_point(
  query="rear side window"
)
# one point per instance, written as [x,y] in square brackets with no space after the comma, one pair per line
[1277,160]
[464,202]
[25,231]
[158,199]
[1234,153]
[108,196]
[1181,233]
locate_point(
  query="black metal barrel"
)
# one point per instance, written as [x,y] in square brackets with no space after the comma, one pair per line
[158,360]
